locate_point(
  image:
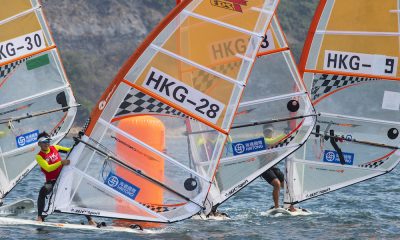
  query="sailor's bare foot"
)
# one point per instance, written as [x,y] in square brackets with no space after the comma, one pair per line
[92,222]
[39,219]
[292,208]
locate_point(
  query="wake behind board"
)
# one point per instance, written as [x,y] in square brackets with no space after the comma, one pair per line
[47,225]
[276,212]
[18,207]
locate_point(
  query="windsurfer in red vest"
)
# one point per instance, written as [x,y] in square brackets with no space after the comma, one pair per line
[50,162]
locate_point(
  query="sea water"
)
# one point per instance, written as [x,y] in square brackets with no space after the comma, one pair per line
[369,210]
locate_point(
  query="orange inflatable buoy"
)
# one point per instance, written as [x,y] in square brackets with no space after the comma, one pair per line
[151,131]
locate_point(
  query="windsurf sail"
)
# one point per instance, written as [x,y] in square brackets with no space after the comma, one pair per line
[139,157]
[35,93]
[274,118]
[350,65]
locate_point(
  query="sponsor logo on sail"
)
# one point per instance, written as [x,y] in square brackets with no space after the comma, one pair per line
[253,145]
[121,185]
[85,211]
[333,157]
[310,195]
[236,188]
[233,5]
[16,109]
[27,138]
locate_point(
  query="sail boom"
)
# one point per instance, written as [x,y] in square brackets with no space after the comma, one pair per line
[271,99]
[2,121]
[361,119]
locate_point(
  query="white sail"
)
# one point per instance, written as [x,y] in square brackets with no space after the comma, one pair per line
[350,65]
[275,96]
[35,93]
[139,158]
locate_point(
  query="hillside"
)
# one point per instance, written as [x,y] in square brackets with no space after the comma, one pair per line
[95,37]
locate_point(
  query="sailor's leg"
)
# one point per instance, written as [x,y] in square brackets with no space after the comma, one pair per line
[90,220]
[41,203]
[275,193]
[44,191]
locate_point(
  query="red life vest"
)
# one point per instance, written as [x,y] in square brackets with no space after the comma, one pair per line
[52,157]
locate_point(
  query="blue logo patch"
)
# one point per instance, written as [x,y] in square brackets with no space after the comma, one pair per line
[333,157]
[254,145]
[122,186]
[27,138]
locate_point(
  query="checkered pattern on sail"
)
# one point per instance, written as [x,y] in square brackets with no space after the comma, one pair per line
[138,102]
[203,81]
[55,131]
[157,208]
[325,83]
[373,164]
[286,141]
[8,68]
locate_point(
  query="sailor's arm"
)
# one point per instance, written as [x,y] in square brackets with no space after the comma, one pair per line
[62,149]
[45,165]
[272,141]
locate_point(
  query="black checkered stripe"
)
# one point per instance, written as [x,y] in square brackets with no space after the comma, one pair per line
[373,164]
[286,141]
[203,80]
[7,69]
[86,125]
[326,83]
[157,208]
[57,129]
[138,102]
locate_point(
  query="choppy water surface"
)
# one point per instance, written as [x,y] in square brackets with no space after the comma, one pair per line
[369,210]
